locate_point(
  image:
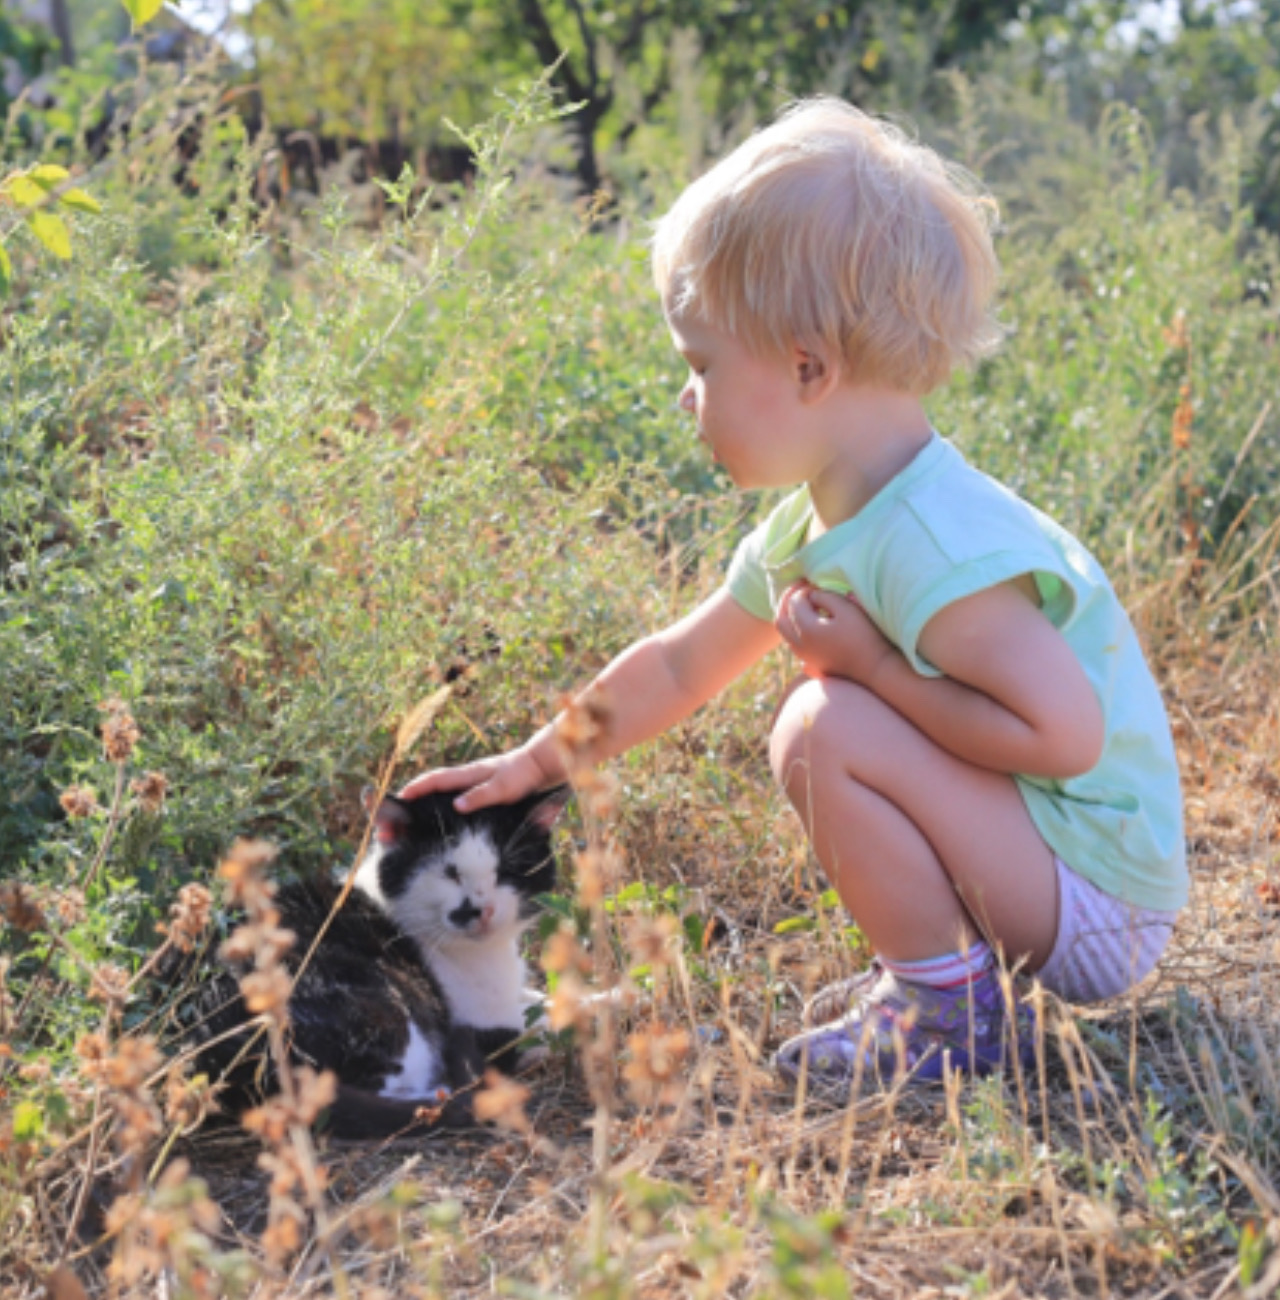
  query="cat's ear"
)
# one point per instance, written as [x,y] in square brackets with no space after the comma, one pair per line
[391,820]
[543,810]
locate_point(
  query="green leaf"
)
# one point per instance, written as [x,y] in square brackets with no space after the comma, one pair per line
[80,201]
[28,1121]
[24,191]
[794,923]
[52,232]
[6,270]
[142,11]
[33,188]
[48,175]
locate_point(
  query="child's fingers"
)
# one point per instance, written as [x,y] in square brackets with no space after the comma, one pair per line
[445,778]
[825,604]
[788,623]
[481,796]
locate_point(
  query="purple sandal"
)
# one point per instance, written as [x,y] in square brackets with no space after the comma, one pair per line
[896,1029]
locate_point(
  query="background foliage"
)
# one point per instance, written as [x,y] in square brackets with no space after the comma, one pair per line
[277,460]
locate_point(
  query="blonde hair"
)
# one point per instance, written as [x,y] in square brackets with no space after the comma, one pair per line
[833,231]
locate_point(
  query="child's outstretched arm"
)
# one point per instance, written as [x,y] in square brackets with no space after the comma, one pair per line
[651,686]
[1014,697]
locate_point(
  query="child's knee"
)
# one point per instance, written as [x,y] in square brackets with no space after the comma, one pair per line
[812,728]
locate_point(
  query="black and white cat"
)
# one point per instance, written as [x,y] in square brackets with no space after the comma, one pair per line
[418,983]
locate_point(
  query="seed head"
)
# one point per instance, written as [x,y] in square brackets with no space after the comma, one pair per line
[138,1120]
[18,906]
[94,1052]
[316,1091]
[283,1236]
[188,917]
[70,906]
[243,869]
[1177,334]
[267,991]
[150,789]
[562,952]
[110,985]
[36,1071]
[136,1059]
[78,801]
[270,1121]
[655,1057]
[187,1101]
[583,721]
[596,870]
[1183,419]
[567,1007]
[119,731]
[650,938]
[501,1101]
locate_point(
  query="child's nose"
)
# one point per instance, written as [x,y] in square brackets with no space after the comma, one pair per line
[686,400]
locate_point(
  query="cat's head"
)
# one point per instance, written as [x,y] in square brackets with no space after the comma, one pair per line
[446,876]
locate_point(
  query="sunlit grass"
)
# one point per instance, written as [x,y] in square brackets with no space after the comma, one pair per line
[269,480]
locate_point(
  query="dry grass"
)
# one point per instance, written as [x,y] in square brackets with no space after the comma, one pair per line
[662,1158]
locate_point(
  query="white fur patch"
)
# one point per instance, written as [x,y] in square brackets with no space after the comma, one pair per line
[475,857]
[420,1070]
[367,876]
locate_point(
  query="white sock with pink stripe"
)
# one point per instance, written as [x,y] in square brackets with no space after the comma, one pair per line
[949,971]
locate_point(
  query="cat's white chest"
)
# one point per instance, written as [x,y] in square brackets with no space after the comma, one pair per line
[483,982]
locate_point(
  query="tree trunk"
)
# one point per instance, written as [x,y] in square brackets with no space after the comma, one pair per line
[54,15]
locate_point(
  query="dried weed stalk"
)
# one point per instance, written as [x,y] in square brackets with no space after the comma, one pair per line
[283,1122]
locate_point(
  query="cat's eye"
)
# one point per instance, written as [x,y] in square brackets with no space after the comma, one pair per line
[451,873]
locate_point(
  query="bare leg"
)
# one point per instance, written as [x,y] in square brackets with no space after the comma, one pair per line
[925,850]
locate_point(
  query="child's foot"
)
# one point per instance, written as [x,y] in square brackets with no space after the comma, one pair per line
[911,1029]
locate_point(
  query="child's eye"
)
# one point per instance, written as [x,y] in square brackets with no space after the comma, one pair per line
[451,873]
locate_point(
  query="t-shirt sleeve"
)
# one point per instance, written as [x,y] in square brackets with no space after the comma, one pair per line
[910,606]
[939,559]
[747,581]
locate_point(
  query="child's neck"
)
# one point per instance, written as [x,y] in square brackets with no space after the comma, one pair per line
[876,434]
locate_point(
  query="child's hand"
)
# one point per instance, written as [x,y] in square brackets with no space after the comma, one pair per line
[831,635]
[503,779]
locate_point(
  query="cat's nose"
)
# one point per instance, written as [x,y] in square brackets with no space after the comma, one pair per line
[486,914]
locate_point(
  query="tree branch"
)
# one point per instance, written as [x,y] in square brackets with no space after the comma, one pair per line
[548,48]
[588,45]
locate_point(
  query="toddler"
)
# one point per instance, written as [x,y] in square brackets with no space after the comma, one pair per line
[977,749]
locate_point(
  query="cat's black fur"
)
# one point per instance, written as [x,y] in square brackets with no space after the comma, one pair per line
[416,986]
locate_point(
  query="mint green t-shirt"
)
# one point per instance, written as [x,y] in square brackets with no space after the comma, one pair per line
[942,530]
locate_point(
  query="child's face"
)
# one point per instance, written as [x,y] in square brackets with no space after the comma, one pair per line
[748,407]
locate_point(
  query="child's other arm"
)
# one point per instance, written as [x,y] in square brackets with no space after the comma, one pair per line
[650,687]
[1014,697]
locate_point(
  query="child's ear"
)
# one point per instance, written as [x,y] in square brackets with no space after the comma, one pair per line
[814,373]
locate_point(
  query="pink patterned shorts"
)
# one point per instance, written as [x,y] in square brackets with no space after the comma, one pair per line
[1105,946]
